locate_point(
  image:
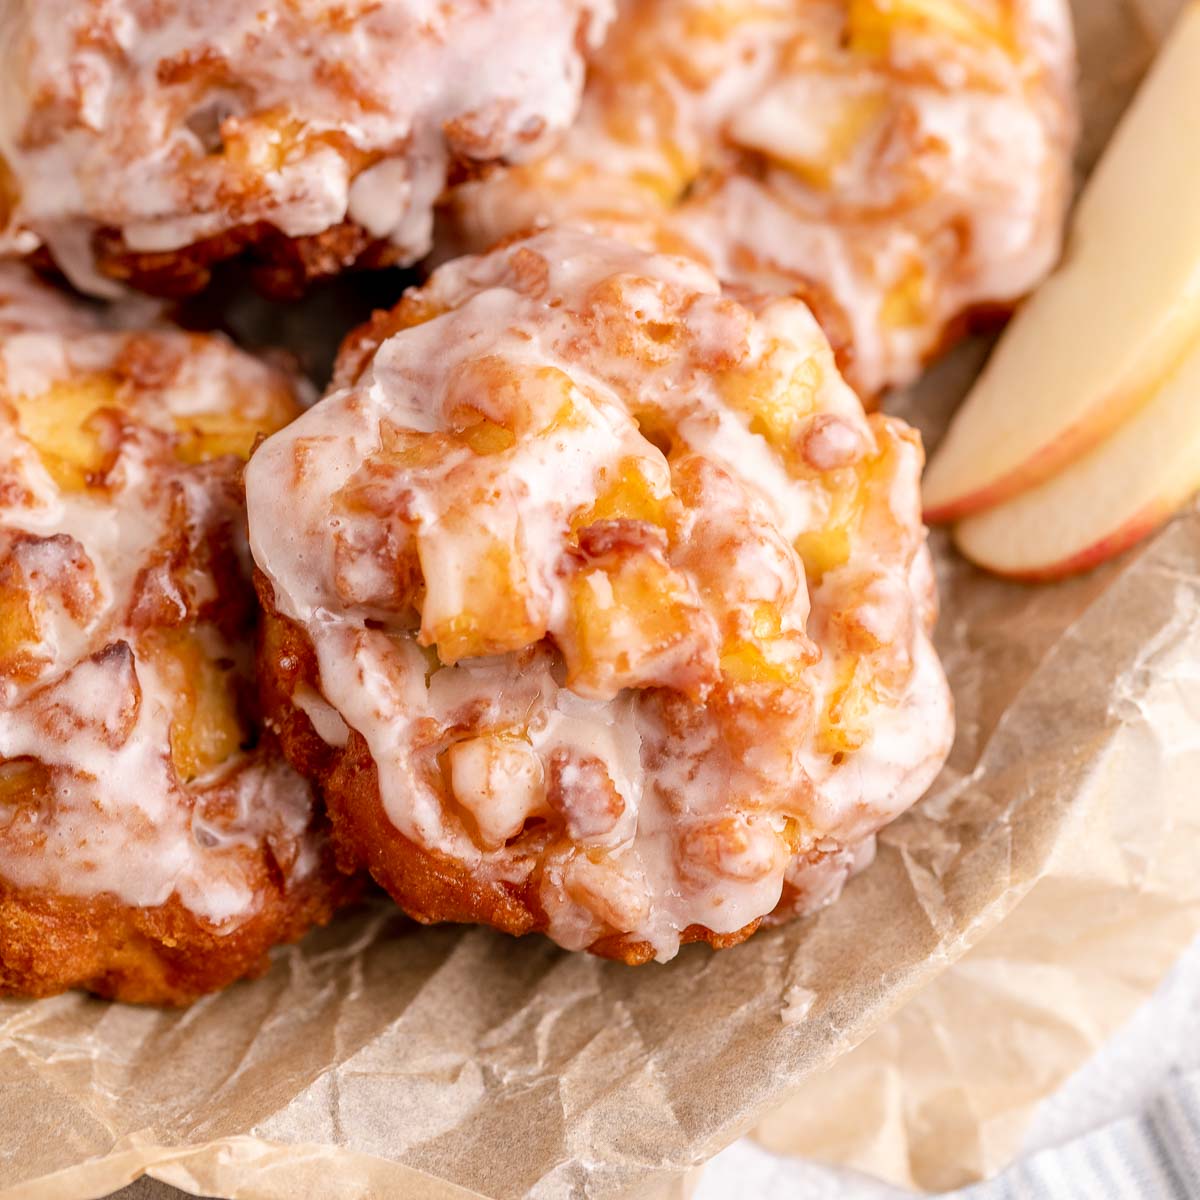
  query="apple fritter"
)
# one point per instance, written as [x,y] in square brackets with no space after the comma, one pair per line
[154,844]
[595,603]
[148,140]
[901,165]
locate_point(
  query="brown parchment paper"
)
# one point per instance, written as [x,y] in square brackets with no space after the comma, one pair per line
[381,1059]
[943,1093]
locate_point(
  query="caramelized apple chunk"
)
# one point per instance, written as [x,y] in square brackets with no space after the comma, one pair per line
[872,25]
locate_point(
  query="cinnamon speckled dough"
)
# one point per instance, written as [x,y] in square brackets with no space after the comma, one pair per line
[152,846]
[146,140]
[595,603]
[899,164]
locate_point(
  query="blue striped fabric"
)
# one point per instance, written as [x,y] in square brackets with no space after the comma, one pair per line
[1152,1156]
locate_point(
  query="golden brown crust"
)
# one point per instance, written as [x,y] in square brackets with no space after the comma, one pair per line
[161,955]
[279,266]
[429,887]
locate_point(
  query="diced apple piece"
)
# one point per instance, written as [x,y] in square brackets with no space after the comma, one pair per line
[1103,502]
[597,883]
[485,437]
[208,435]
[261,143]
[60,425]
[767,654]
[478,599]
[834,127]
[21,779]
[627,493]
[498,779]
[205,729]
[872,23]
[634,623]
[824,550]
[776,401]
[845,724]
[1103,333]
[19,632]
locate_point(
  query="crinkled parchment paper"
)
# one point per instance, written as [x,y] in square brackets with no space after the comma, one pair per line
[943,1092]
[382,1059]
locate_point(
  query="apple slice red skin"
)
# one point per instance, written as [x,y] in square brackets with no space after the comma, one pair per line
[1137,528]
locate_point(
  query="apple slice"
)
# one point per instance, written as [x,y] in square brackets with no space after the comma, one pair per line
[1099,337]
[1106,500]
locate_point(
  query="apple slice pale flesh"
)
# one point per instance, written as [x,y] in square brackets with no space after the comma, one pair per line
[1103,502]
[1101,334]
